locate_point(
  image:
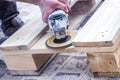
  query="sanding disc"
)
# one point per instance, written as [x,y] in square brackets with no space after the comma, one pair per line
[52,43]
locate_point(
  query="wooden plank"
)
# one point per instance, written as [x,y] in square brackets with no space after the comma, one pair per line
[41,47]
[81,11]
[103,62]
[66,50]
[28,34]
[26,62]
[38,47]
[33,72]
[117,55]
[21,62]
[103,28]
[106,74]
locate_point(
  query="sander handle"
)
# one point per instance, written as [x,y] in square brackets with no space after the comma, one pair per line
[58,22]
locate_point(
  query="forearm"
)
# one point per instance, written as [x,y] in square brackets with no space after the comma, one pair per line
[48,6]
[28,1]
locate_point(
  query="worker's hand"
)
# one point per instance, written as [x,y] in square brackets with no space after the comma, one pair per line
[48,6]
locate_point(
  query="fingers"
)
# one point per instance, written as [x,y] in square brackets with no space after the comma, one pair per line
[57,5]
[62,6]
[67,3]
[49,6]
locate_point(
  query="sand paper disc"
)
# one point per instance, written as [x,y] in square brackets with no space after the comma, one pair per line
[51,43]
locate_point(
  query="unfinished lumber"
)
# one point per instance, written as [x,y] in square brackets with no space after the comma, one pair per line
[28,54]
[29,33]
[36,50]
[106,74]
[103,62]
[26,62]
[103,28]
[33,72]
[86,9]
[24,39]
[40,47]
[79,13]
[26,36]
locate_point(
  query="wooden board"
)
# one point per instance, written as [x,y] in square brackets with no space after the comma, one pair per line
[43,50]
[28,34]
[81,11]
[26,62]
[103,28]
[103,62]
[107,74]
[40,45]
[34,72]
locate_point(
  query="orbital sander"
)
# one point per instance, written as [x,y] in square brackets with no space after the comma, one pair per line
[58,23]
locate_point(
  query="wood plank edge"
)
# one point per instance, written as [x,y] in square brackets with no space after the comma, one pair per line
[106,74]
[32,72]
[68,50]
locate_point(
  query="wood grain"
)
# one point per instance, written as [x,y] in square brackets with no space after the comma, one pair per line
[103,28]
[24,39]
[103,62]
[28,34]
[79,13]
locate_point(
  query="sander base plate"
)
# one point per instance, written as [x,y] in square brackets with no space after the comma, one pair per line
[50,43]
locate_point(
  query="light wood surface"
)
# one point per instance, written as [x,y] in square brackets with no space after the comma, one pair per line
[103,28]
[40,48]
[103,62]
[28,34]
[26,62]
[21,62]
[23,39]
[79,13]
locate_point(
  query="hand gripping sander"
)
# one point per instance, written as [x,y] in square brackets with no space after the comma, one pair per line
[58,23]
